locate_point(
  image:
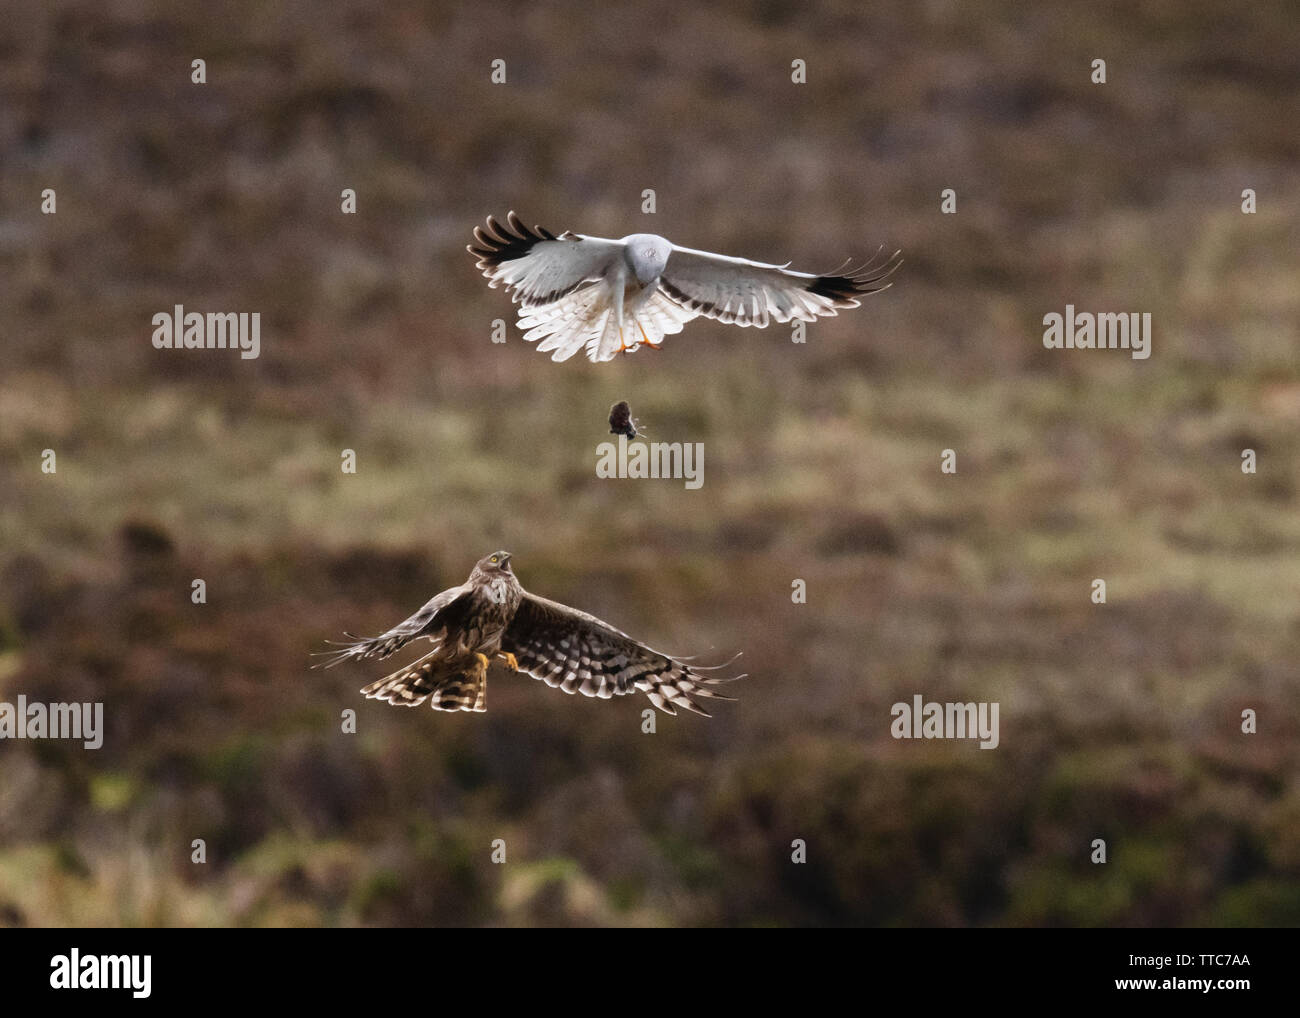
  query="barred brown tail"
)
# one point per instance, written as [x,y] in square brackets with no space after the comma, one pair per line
[457,688]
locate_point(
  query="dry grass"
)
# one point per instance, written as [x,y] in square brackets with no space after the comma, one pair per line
[821,463]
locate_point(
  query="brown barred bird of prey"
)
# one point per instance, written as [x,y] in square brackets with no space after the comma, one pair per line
[614,296]
[491,617]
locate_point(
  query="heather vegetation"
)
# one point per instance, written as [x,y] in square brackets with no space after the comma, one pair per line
[1119,721]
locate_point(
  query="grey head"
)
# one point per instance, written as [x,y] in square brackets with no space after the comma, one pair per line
[646,255]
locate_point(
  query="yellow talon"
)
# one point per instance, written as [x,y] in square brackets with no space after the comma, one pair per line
[483,660]
[652,346]
[511,661]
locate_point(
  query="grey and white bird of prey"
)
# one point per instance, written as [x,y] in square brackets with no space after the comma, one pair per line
[614,296]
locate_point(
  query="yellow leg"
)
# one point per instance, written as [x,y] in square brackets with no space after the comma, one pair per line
[511,661]
[652,346]
[483,661]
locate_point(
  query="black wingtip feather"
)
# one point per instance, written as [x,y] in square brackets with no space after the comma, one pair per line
[496,243]
[844,288]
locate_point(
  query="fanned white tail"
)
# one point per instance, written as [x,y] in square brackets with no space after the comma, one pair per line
[586,321]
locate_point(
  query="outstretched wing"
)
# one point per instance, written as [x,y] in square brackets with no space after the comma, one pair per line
[752,293]
[536,267]
[446,611]
[579,653]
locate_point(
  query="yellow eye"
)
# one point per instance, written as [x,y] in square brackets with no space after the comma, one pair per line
[494,558]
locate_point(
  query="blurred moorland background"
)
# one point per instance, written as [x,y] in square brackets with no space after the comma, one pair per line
[1119,722]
